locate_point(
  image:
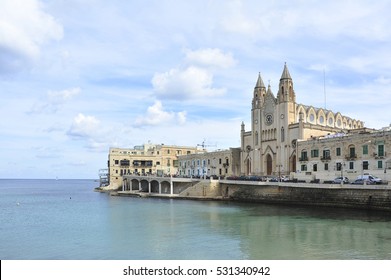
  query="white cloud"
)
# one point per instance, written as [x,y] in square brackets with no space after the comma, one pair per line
[210,57]
[84,126]
[24,28]
[383,80]
[195,77]
[191,82]
[54,101]
[156,115]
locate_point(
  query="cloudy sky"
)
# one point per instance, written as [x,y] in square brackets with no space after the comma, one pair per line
[80,76]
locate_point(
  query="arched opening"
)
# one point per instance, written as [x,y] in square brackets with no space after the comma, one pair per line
[293,164]
[269,165]
[248,167]
[155,186]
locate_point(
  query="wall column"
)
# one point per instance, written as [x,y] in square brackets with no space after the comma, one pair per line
[139,186]
[171,187]
[149,186]
[160,187]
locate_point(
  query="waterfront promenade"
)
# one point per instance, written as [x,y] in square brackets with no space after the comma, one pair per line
[330,195]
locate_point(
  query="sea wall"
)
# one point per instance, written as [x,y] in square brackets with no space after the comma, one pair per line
[330,195]
[203,189]
[364,197]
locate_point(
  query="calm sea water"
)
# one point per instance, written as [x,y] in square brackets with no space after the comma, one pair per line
[66,219]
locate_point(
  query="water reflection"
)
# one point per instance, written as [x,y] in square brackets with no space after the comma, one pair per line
[177,229]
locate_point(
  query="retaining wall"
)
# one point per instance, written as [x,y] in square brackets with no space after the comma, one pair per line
[329,195]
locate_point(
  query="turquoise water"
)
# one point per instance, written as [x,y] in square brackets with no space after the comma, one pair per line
[66,219]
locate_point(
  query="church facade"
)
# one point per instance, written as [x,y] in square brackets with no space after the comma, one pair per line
[277,123]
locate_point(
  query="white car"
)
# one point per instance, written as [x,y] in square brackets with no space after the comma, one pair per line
[368,177]
[340,180]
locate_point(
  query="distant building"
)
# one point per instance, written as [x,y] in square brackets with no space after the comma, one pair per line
[277,123]
[218,163]
[350,154]
[147,159]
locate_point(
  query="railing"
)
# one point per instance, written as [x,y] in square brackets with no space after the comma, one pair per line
[325,158]
[351,157]
[303,158]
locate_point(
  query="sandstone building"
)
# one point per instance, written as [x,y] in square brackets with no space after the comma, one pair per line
[350,154]
[277,122]
[219,163]
[147,159]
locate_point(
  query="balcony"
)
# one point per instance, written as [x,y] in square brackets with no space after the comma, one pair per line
[325,158]
[304,158]
[125,162]
[351,157]
[142,163]
[379,156]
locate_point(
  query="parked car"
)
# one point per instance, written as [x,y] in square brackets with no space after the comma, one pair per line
[374,179]
[361,182]
[340,180]
[284,178]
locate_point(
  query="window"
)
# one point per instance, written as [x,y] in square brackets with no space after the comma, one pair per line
[282,134]
[365,165]
[326,166]
[339,166]
[304,155]
[338,151]
[219,160]
[380,164]
[380,150]
[256,138]
[339,123]
[315,167]
[158,163]
[321,119]
[351,165]
[352,152]
[227,161]
[116,161]
[315,153]
[326,154]
[198,162]
[303,167]
[365,149]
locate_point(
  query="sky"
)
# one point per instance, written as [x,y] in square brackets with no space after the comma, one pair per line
[80,76]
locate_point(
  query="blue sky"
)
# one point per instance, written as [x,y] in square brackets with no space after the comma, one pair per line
[78,77]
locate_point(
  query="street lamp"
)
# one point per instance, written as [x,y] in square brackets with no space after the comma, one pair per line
[279,172]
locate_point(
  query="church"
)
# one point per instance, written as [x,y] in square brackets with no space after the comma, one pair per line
[278,122]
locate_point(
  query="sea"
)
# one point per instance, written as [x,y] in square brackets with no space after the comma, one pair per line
[68,220]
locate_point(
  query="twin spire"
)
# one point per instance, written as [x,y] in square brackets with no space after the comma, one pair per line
[285,91]
[285,75]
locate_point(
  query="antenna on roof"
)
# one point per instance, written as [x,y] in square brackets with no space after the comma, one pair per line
[203,145]
[324,87]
